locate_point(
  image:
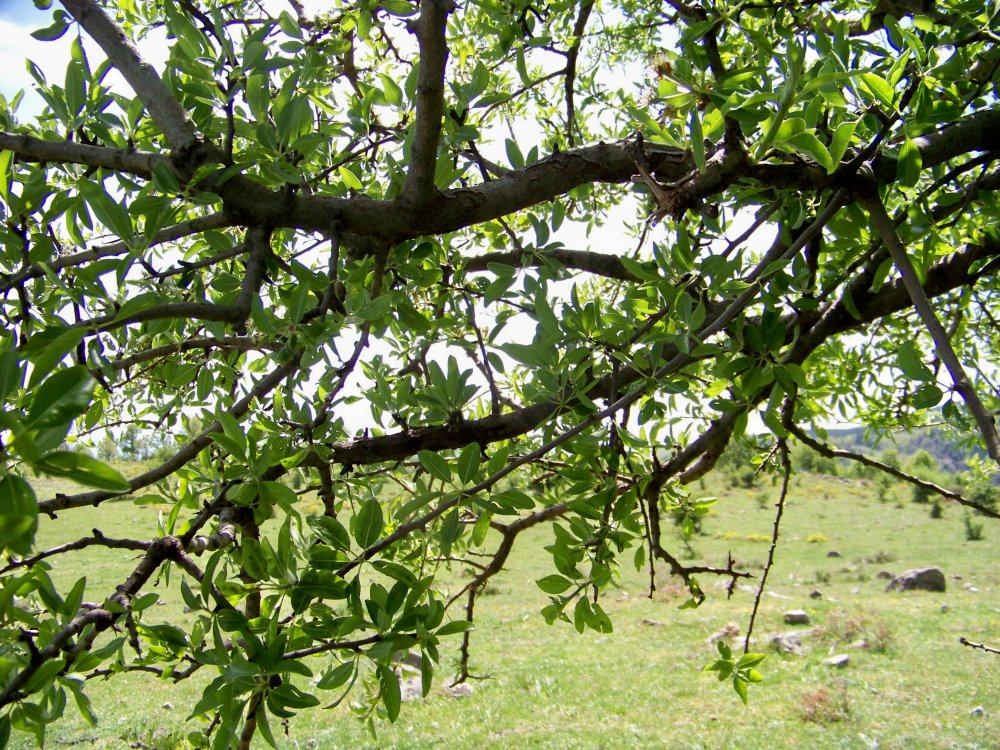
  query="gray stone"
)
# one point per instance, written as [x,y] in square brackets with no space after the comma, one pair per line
[884,575]
[411,688]
[461,690]
[838,660]
[786,643]
[861,643]
[729,630]
[796,617]
[815,594]
[923,579]
[978,711]
[833,553]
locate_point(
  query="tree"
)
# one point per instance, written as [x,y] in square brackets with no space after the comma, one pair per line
[398,205]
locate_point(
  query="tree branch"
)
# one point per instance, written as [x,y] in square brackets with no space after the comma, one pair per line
[571,58]
[942,343]
[159,101]
[599,264]
[981,646]
[429,27]
[830,452]
[185,454]
[29,148]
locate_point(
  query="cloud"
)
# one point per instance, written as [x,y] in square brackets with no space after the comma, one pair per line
[18,47]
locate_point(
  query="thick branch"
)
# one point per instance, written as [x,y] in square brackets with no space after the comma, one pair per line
[28,148]
[599,264]
[430,28]
[159,101]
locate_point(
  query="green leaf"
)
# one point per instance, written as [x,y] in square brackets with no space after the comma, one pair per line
[47,349]
[434,465]
[468,463]
[909,359]
[109,212]
[368,523]
[11,374]
[480,529]
[83,469]
[253,559]
[880,89]
[397,7]
[741,689]
[349,178]
[455,626]
[808,144]
[6,173]
[842,137]
[750,660]
[337,676]
[18,515]
[514,155]
[389,691]
[909,164]
[58,27]
[61,398]
[697,137]
[553,584]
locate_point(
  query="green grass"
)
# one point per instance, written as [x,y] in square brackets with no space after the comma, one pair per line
[641,686]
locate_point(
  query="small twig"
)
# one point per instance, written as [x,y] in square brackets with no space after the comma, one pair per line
[981,646]
[787,466]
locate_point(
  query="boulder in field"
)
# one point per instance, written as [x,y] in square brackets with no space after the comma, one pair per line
[922,579]
[796,617]
[786,643]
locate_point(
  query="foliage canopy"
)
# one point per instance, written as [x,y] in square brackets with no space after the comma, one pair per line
[561,253]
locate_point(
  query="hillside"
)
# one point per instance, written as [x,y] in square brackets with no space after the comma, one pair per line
[950,456]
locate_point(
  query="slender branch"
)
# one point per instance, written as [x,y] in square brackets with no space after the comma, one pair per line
[101,619]
[323,648]
[831,452]
[185,454]
[786,466]
[237,343]
[98,539]
[571,59]
[942,344]
[599,264]
[169,234]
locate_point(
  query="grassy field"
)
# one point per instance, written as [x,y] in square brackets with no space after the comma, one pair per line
[914,686]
